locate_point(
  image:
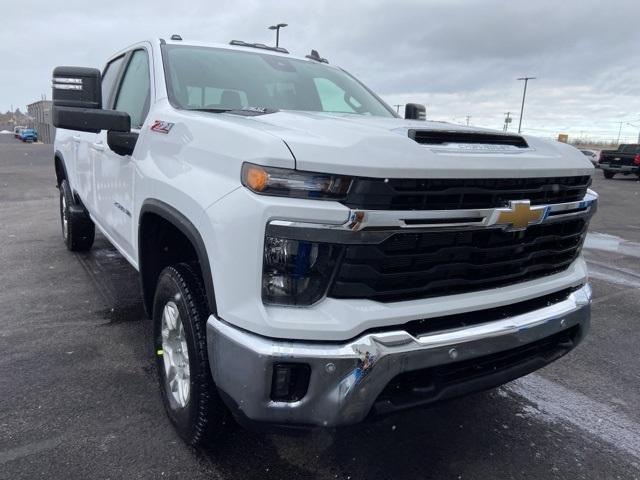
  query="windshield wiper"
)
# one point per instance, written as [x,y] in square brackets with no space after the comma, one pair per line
[246,112]
[211,110]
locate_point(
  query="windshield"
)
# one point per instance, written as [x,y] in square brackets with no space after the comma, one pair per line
[219,79]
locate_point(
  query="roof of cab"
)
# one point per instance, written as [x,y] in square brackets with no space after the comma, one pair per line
[226,46]
[240,48]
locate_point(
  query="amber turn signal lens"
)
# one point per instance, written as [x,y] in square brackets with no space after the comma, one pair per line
[255,178]
[286,182]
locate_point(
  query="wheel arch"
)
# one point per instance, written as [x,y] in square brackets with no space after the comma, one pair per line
[169,214]
[60,168]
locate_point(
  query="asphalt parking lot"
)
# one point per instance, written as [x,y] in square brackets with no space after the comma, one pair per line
[78,394]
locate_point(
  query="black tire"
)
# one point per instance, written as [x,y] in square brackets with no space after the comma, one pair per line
[203,417]
[80,231]
[608,174]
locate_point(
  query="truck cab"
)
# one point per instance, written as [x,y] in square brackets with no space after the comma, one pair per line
[307,257]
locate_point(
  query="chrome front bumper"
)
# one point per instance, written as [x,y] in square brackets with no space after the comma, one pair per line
[347,378]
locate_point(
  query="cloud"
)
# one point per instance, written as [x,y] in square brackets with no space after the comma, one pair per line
[459,57]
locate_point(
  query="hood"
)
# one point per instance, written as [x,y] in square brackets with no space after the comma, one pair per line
[381,147]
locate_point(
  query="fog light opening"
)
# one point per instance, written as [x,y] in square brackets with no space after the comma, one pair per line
[290,381]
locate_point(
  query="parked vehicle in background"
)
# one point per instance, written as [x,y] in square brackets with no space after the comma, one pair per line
[308,257]
[28,135]
[16,131]
[624,160]
[592,156]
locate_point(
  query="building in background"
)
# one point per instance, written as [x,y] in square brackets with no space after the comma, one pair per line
[40,112]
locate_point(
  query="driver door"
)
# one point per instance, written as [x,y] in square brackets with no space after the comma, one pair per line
[114,174]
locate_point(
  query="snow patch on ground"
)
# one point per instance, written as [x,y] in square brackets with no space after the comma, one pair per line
[554,403]
[611,243]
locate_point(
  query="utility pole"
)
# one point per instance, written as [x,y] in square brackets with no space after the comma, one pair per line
[507,121]
[398,107]
[277,29]
[468,117]
[619,132]
[524,95]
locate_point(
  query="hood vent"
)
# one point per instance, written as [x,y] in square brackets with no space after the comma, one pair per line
[435,137]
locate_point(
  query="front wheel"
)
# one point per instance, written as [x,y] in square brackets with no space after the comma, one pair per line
[608,174]
[179,331]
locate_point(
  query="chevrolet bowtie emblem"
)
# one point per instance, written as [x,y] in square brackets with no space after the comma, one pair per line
[519,215]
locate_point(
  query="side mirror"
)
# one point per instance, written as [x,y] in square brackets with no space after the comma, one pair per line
[77,87]
[415,111]
[91,120]
[77,102]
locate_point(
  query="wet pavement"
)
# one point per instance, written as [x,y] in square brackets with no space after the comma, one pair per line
[78,394]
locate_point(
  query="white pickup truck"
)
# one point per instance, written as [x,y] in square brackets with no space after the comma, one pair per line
[308,257]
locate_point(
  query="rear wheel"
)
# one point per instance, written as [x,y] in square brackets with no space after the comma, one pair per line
[78,231]
[179,322]
[608,174]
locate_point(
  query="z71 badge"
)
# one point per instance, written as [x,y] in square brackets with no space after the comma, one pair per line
[161,127]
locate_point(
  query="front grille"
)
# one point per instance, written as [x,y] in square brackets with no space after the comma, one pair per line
[451,193]
[426,264]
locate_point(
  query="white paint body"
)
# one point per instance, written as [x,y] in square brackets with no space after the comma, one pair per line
[195,168]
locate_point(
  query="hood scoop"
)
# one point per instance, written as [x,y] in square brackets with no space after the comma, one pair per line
[443,137]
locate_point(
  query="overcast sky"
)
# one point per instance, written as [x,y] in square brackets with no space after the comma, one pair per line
[459,57]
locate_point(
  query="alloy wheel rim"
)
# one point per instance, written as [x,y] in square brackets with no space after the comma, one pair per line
[175,355]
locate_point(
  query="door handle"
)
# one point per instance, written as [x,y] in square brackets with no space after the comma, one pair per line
[76,138]
[98,146]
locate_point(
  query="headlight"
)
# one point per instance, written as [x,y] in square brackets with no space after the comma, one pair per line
[283,182]
[296,272]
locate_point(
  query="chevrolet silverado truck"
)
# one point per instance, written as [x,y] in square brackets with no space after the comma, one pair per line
[308,257]
[624,160]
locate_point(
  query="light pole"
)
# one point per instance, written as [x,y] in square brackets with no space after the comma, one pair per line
[277,29]
[524,94]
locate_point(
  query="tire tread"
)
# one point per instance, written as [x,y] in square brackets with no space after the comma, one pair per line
[209,411]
